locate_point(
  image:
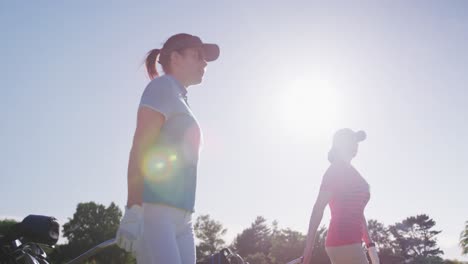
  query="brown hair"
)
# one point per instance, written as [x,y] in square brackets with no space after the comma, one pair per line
[150,63]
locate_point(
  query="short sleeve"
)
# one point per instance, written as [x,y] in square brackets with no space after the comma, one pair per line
[158,96]
[331,180]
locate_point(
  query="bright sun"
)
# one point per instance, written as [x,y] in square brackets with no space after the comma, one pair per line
[308,106]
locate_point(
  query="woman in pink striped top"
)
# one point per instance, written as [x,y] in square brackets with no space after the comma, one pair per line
[347,193]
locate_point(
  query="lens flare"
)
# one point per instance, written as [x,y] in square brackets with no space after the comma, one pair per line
[173,157]
[158,164]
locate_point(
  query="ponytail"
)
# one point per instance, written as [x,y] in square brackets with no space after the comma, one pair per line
[150,63]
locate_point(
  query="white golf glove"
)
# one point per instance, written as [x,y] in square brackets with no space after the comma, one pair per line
[373,255]
[130,228]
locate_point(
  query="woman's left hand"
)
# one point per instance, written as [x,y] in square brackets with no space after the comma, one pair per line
[306,256]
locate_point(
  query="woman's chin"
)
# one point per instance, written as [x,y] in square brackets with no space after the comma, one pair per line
[197,81]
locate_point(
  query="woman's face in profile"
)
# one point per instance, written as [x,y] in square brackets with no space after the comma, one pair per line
[354,149]
[350,149]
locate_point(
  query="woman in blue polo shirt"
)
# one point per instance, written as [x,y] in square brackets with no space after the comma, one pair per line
[162,169]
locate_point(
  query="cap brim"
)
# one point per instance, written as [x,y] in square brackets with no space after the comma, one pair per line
[210,51]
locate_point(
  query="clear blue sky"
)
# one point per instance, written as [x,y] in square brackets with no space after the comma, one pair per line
[289,75]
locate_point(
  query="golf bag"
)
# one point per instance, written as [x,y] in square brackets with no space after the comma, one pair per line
[24,241]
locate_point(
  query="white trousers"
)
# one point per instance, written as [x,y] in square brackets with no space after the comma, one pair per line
[348,254]
[167,236]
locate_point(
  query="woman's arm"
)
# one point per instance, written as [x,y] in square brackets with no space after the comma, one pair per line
[315,219]
[149,123]
[365,232]
[371,249]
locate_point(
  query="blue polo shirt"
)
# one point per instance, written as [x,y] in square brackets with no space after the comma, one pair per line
[170,166]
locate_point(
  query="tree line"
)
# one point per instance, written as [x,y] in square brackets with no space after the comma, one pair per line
[413,240]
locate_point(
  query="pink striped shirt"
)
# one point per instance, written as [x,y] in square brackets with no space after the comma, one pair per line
[350,194]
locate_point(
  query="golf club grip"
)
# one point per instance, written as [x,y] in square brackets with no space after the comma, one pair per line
[93,251]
